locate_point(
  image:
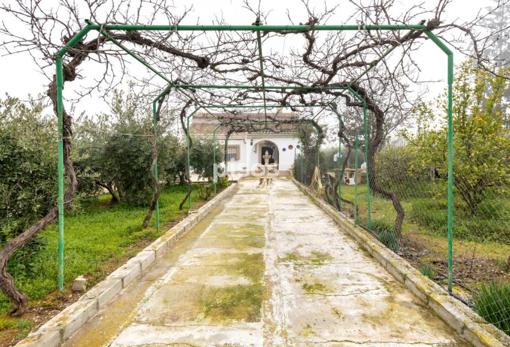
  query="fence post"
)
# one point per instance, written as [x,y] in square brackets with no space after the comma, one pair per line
[60,200]
[340,160]
[367,145]
[155,118]
[450,77]
[188,143]
[215,167]
[356,147]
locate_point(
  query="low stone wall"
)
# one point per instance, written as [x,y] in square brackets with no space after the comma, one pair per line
[460,317]
[67,322]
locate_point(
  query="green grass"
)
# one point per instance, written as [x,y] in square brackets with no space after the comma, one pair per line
[492,302]
[428,215]
[427,269]
[385,232]
[22,326]
[98,238]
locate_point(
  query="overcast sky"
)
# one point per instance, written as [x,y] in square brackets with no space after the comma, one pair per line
[19,76]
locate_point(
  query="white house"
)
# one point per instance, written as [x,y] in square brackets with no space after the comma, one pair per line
[246,149]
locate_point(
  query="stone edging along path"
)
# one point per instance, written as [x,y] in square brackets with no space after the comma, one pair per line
[68,321]
[460,317]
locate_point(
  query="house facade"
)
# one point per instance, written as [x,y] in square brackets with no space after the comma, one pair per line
[245,150]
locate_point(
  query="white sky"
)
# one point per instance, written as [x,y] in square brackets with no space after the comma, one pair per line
[19,76]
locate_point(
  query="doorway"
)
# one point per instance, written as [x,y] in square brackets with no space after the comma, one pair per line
[271,149]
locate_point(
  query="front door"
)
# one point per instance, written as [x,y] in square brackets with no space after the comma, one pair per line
[270,150]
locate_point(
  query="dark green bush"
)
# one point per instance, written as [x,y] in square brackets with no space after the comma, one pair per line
[203,154]
[492,302]
[27,174]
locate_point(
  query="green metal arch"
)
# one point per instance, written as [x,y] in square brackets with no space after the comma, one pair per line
[102,29]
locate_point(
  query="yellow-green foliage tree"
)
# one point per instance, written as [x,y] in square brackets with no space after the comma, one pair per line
[481,139]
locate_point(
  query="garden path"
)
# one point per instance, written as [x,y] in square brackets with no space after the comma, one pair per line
[272,269]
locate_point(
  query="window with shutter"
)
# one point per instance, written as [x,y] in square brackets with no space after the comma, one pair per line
[233,152]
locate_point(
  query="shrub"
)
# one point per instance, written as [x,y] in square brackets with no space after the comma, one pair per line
[392,167]
[205,191]
[202,156]
[114,152]
[492,302]
[390,240]
[222,183]
[386,234]
[28,173]
[427,270]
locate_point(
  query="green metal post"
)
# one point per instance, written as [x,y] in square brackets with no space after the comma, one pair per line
[155,118]
[188,142]
[366,130]
[450,212]
[450,173]
[60,200]
[262,75]
[356,147]
[367,144]
[215,175]
[340,162]
[225,155]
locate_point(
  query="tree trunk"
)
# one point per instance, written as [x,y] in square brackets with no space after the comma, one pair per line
[374,143]
[373,146]
[6,281]
[157,190]
[109,187]
[339,181]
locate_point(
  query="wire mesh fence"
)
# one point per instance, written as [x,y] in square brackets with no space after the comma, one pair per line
[402,200]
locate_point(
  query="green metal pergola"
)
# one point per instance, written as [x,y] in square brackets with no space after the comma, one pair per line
[104,29]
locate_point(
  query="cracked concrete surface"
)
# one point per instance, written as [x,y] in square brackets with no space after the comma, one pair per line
[272,269]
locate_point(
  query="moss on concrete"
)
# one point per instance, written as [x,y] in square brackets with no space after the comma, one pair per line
[250,266]
[232,303]
[307,331]
[314,258]
[238,237]
[314,288]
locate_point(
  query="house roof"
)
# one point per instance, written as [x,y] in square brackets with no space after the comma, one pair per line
[204,124]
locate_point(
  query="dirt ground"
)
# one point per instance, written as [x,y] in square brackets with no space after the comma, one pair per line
[471,266]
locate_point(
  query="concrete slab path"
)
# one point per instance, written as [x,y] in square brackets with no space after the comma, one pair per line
[272,269]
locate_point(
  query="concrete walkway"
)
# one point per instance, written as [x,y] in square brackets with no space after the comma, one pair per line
[272,269]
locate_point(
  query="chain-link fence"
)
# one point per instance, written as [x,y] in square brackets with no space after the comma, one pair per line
[402,200]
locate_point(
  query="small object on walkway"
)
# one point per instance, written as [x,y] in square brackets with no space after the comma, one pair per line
[80,284]
[269,171]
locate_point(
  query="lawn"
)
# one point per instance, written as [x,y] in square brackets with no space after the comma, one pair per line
[98,239]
